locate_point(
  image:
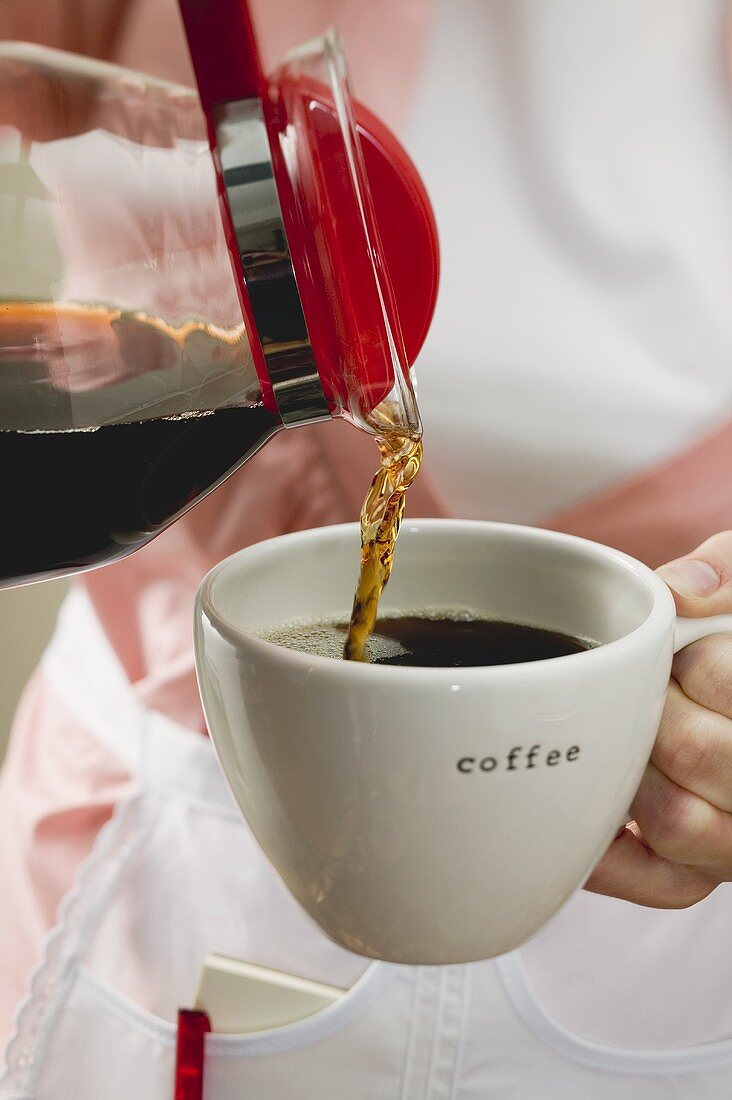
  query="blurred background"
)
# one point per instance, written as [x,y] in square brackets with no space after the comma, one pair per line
[27,616]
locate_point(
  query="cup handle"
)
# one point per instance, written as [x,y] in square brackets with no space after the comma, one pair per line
[691,630]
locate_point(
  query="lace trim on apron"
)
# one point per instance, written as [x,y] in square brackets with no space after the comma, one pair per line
[52,977]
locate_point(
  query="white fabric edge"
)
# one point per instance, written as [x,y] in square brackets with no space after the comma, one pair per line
[158,751]
[362,994]
[460,1052]
[595,1055]
[71,674]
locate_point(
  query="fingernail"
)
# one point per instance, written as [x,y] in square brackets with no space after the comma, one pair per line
[690,577]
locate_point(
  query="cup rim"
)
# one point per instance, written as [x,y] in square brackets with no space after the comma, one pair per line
[663,607]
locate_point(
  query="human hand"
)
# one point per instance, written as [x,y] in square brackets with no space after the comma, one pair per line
[678,848]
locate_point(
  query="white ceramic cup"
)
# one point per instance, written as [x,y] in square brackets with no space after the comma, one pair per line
[437,815]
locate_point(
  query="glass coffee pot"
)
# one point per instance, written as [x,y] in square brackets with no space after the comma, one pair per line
[183,275]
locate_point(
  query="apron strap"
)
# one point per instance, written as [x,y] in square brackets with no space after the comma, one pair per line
[86,674]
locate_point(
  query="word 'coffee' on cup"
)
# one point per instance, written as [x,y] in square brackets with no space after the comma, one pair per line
[518,759]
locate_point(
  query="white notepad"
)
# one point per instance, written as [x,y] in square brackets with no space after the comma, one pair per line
[241,997]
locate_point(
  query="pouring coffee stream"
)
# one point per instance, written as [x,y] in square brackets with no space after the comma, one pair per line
[381,517]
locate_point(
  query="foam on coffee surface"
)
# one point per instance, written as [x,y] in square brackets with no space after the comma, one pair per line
[433,638]
[324,637]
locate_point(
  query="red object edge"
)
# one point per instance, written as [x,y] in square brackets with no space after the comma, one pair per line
[226,63]
[223,50]
[193,1025]
[227,66]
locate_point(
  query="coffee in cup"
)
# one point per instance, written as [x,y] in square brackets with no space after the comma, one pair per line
[432,638]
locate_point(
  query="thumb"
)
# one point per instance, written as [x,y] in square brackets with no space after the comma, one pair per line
[701,582]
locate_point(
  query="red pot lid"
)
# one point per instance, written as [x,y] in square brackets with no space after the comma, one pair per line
[359,225]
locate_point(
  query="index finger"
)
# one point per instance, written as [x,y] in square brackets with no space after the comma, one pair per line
[632,871]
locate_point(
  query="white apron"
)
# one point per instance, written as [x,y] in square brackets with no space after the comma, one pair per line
[176,873]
